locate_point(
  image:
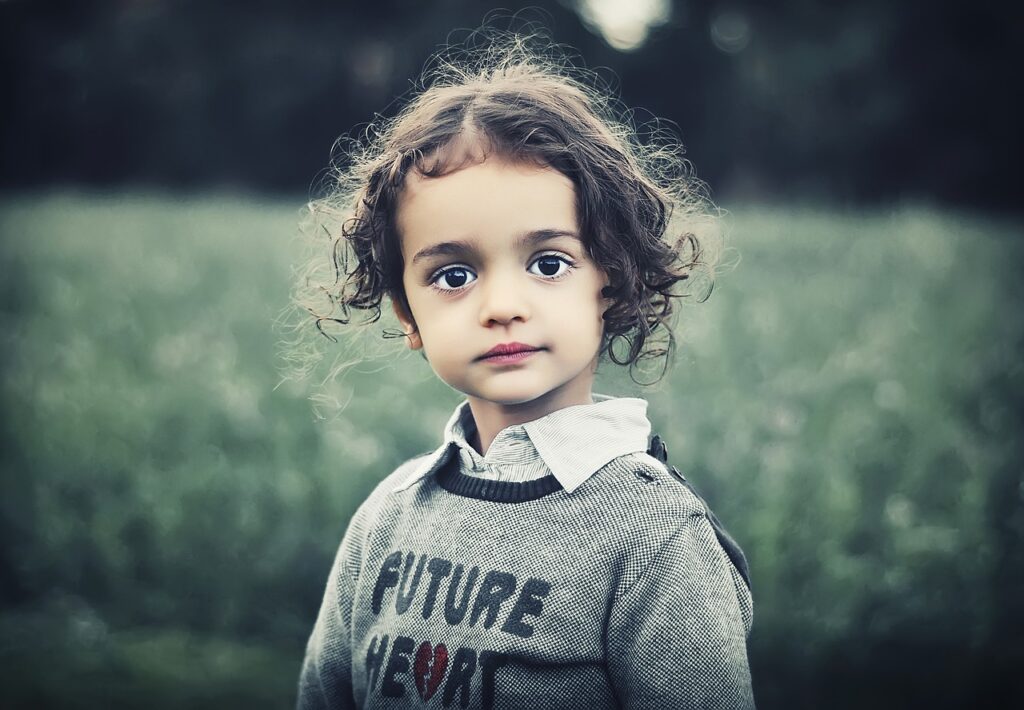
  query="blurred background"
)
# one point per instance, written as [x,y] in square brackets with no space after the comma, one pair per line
[849,400]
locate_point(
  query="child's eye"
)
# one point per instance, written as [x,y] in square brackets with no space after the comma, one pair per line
[550,266]
[452,278]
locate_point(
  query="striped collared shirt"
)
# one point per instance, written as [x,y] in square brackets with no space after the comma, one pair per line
[572,443]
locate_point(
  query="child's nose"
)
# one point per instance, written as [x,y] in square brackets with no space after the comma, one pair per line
[503,299]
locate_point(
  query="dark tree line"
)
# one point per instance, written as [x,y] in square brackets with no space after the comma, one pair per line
[864,101]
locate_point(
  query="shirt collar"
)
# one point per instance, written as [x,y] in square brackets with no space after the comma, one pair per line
[573,442]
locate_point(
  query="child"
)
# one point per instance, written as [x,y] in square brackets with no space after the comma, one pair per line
[541,557]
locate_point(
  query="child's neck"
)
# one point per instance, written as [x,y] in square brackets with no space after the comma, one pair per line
[492,417]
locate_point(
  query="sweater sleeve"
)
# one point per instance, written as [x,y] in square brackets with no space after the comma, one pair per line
[677,636]
[325,680]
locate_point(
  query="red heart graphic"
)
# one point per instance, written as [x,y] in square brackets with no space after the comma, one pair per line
[429,675]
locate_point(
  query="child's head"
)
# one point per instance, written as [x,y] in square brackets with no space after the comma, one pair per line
[493,262]
[492,148]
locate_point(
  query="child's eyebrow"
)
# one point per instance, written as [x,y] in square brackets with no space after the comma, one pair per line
[528,239]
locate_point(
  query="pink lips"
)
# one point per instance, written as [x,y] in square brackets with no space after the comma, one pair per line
[509,352]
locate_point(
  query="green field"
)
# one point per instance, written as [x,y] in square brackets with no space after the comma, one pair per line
[850,400]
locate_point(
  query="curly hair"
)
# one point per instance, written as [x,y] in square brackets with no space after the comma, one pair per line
[638,206]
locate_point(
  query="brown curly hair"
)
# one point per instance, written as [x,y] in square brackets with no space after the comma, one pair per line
[638,205]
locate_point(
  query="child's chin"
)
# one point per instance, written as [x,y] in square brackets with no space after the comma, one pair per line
[511,396]
[511,400]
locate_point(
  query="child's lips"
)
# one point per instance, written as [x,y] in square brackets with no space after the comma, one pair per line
[510,357]
[509,353]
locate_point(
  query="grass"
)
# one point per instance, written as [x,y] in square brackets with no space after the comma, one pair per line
[849,400]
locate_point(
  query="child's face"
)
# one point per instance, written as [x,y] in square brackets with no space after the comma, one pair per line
[473,282]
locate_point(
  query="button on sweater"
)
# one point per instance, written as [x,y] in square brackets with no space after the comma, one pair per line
[566,568]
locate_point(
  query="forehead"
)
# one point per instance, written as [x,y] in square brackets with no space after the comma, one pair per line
[490,201]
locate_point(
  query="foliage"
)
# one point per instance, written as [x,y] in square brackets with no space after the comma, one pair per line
[849,400]
[860,100]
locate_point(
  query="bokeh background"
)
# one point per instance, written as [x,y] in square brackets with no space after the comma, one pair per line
[850,399]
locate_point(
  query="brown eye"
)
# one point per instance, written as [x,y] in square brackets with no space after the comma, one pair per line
[551,266]
[456,278]
[452,278]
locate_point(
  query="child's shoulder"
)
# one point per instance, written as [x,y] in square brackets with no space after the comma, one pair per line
[653,484]
[369,508]
[672,494]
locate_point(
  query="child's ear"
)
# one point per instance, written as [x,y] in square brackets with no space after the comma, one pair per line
[607,283]
[412,335]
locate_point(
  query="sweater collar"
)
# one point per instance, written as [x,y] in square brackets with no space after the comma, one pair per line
[573,442]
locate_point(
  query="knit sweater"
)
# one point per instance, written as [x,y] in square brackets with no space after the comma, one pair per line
[604,586]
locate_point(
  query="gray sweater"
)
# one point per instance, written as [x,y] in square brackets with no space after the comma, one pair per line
[601,589]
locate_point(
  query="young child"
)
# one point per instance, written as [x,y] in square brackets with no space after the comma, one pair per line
[544,555]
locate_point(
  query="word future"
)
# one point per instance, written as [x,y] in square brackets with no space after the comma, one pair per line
[464,601]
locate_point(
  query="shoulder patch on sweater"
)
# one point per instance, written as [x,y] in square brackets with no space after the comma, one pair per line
[652,471]
[659,451]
